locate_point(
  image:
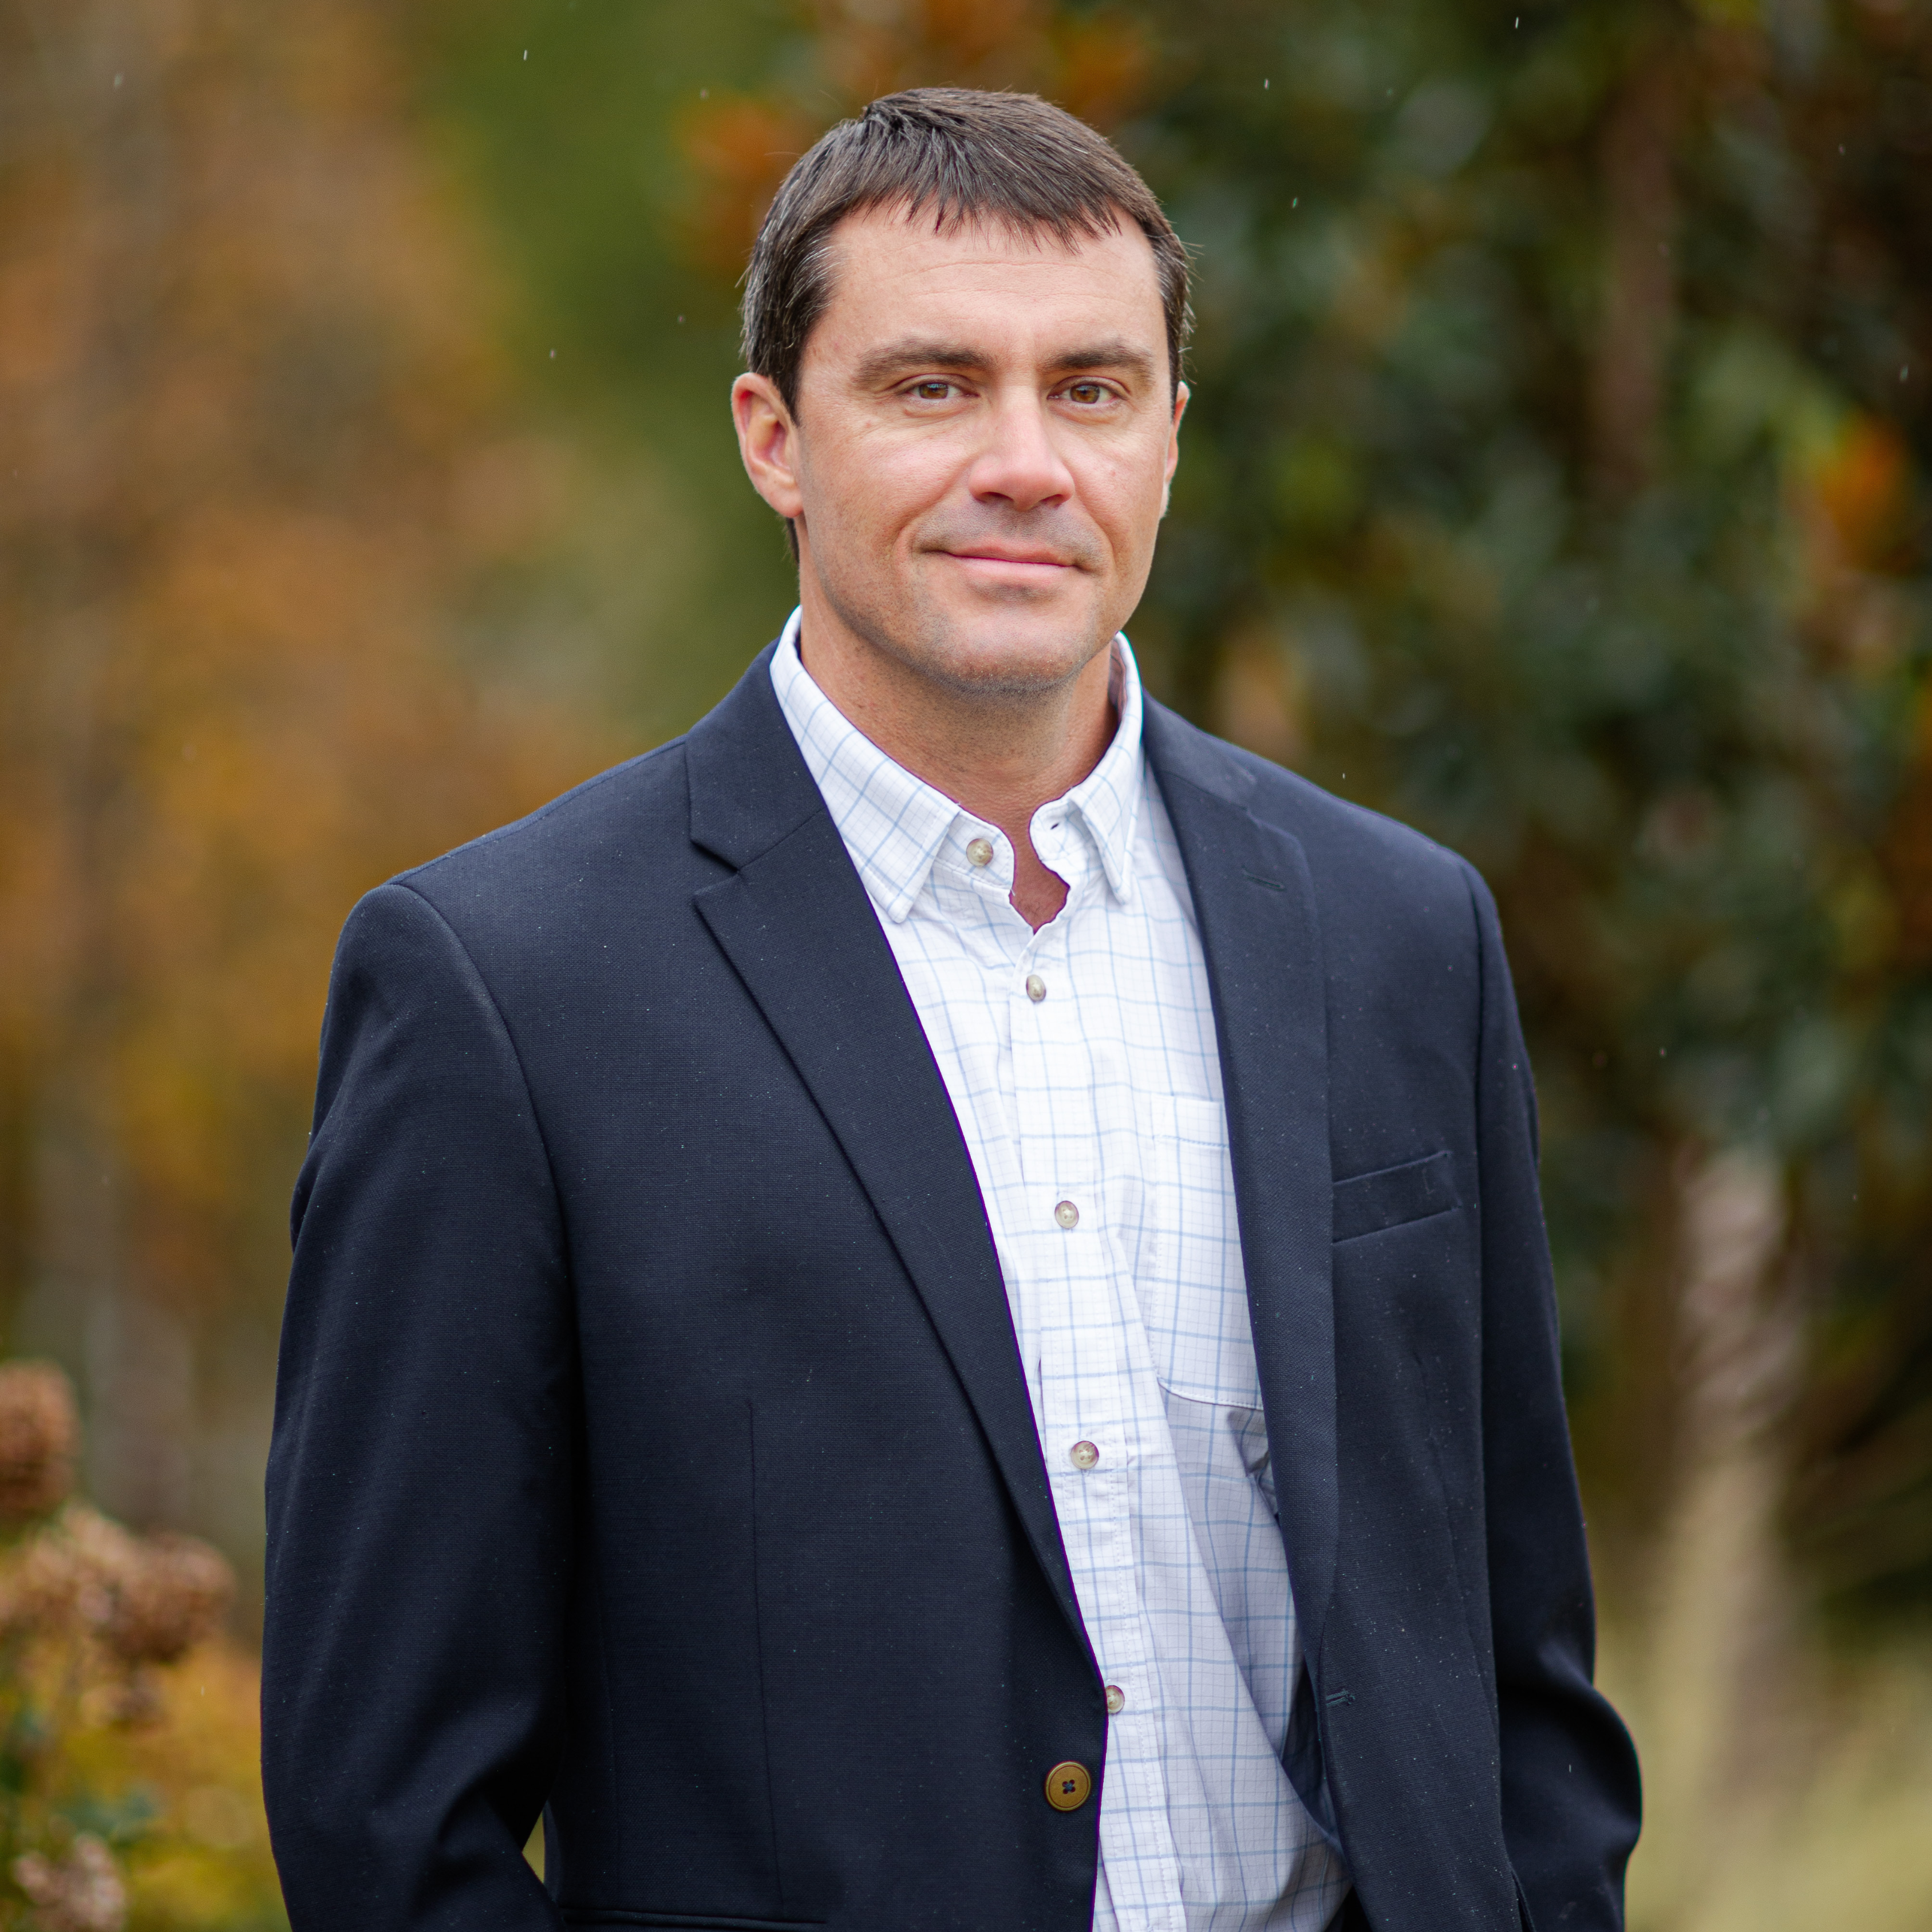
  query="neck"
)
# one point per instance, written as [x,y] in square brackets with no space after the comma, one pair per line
[1001,759]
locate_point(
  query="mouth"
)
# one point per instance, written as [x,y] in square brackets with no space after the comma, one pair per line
[1001,556]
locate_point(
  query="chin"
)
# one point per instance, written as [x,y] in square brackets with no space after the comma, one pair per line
[1003,653]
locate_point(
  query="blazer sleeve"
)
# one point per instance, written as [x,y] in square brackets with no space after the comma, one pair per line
[420,1477]
[1571,1795]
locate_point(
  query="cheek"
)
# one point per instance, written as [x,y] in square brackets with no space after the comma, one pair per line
[874,483]
[1126,498]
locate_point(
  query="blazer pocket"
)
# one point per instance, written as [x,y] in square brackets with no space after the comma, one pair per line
[1367,1203]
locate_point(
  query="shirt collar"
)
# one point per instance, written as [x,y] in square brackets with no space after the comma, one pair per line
[895,825]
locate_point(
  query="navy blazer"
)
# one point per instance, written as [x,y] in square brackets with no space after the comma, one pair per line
[652,1448]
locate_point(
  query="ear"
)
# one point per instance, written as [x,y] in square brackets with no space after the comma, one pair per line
[1180,395]
[767,441]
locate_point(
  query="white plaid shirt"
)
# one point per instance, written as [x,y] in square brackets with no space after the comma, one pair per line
[1082,1064]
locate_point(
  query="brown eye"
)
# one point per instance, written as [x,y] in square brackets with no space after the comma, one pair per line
[1087,392]
[934,391]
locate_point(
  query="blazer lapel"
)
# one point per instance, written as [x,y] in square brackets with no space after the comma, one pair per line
[1255,903]
[795,922]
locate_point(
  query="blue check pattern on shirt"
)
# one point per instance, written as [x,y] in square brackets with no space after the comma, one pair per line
[1101,1087]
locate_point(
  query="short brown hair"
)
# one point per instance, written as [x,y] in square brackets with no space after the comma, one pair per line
[1012,159]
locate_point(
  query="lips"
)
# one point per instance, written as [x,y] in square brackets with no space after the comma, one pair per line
[1020,545]
[1036,559]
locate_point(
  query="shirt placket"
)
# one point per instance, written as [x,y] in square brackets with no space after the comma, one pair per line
[1073,1263]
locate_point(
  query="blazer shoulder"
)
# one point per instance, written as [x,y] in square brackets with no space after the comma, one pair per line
[1365,866]
[621,806]
[619,828]
[1350,846]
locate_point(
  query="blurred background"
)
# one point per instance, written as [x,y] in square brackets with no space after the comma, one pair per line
[1559,477]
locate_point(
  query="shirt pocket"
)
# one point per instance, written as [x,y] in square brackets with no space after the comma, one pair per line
[1187,1254]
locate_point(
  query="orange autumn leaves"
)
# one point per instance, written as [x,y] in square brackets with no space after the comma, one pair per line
[1864,485]
[247,366]
[739,146]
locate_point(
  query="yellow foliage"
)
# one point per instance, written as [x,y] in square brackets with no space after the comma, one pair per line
[1831,1829]
[129,1739]
[205,1865]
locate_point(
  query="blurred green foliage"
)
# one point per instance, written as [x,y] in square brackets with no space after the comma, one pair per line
[1558,455]
[573,121]
[1554,479]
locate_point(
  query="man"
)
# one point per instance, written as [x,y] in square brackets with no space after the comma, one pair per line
[927,1308]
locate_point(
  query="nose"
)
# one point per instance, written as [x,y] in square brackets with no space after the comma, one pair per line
[1019,466]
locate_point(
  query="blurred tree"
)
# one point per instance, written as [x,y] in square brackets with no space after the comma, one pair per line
[257,454]
[1555,482]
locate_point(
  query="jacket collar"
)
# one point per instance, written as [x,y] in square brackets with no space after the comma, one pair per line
[750,789]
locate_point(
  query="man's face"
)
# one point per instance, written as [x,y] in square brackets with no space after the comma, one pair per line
[985,431]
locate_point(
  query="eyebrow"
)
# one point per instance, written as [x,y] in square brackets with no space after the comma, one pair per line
[898,358]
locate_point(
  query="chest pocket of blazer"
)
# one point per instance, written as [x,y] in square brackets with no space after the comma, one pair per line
[1365,1203]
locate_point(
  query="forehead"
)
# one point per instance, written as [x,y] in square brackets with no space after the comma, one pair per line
[891,272]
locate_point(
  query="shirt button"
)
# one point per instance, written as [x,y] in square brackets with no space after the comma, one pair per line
[1083,1455]
[1117,1700]
[980,851]
[1036,987]
[1069,1786]
[1067,1215]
